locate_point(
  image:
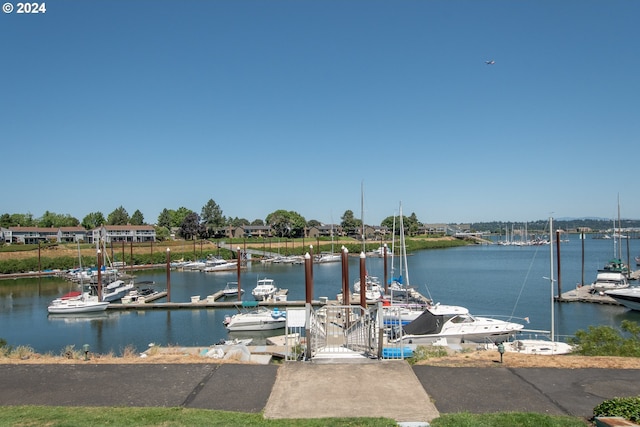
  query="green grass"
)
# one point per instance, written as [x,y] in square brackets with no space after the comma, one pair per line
[31,416]
[507,419]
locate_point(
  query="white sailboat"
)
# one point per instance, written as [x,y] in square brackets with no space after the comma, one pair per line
[541,346]
[399,286]
[81,303]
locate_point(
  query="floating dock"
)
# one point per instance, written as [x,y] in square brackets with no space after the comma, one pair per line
[584,294]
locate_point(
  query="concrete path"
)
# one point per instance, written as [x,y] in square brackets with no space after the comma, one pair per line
[377,389]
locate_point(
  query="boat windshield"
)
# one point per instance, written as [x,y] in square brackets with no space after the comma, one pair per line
[463,318]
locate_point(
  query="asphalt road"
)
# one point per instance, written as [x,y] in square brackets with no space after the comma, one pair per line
[310,390]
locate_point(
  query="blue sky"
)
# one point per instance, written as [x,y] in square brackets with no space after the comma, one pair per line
[266,105]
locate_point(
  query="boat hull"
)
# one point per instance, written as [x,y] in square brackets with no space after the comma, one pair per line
[629,297]
[71,307]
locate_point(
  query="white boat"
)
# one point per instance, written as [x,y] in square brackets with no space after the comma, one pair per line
[217,264]
[264,289]
[541,346]
[328,257]
[399,286]
[231,290]
[537,346]
[116,290]
[82,305]
[629,297]
[455,324]
[77,302]
[258,320]
[609,280]
[373,291]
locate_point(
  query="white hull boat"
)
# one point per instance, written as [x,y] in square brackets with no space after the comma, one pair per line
[116,290]
[217,264]
[264,290]
[536,346]
[629,297]
[231,290]
[259,320]
[71,306]
[609,280]
[455,324]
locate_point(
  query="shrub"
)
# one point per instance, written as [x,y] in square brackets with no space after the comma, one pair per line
[608,341]
[626,407]
[423,352]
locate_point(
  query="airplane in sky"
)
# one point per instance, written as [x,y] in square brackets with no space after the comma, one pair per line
[490,62]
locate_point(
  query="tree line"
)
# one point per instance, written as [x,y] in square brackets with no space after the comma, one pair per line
[211,222]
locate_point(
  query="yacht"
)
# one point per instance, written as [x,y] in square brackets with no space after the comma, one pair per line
[629,297]
[264,289]
[454,323]
[259,320]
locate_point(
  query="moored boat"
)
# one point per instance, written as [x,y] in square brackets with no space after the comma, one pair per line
[260,319]
[629,297]
[265,289]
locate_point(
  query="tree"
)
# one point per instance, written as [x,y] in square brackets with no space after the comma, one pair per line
[286,223]
[22,220]
[238,222]
[137,218]
[164,219]
[179,215]
[51,219]
[349,223]
[162,233]
[191,227]
[93,220]
[257,222]
[5,220]
[118,217]
[313,223]
[212,215]
[412,224]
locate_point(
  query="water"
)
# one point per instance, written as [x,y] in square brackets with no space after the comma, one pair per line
[491,280]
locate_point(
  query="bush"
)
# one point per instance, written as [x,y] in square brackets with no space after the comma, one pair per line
[625,407]
[608,341]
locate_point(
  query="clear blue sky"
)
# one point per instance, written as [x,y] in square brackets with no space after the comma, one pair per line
[266,105]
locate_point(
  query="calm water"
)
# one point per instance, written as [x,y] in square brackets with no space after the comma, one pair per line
[491,280]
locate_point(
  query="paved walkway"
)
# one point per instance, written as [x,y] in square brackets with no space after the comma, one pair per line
[390,389]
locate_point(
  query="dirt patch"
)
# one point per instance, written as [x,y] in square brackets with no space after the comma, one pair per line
[487,358]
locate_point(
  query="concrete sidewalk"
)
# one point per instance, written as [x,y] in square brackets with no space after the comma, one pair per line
[390,389]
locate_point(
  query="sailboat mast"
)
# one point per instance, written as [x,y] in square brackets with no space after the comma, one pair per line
[619,231]
[551,275]
[362,213]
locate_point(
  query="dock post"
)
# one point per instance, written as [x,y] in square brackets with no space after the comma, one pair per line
[99,275]
[238,273]
[308,278]
[386,274]
[168,275]
[363,281]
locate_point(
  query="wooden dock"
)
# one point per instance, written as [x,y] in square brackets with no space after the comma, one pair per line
[583,294]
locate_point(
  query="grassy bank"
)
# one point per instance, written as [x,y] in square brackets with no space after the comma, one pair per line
[26,258]
[80,416]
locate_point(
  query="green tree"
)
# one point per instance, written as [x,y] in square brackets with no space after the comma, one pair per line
[93,220]
[162,233]
[5,220]
[22,220]
[412,224]
[137,218]
[313,223]
[164,219]
[286,223]
[191,226]
[211,215]
[118,217]
[238,222]
[179,215]
[257,222]
[349,223]
[608,341]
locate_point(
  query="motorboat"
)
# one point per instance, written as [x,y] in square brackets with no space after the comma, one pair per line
[116,290]
[629,297]
[217,264]
[328,257]
[454,323]
[231,290]
[609,280]
[258,320]
[264,289]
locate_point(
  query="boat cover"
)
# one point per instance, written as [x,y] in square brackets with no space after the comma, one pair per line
[425,324]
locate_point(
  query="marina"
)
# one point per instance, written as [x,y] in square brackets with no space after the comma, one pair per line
[486,279]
